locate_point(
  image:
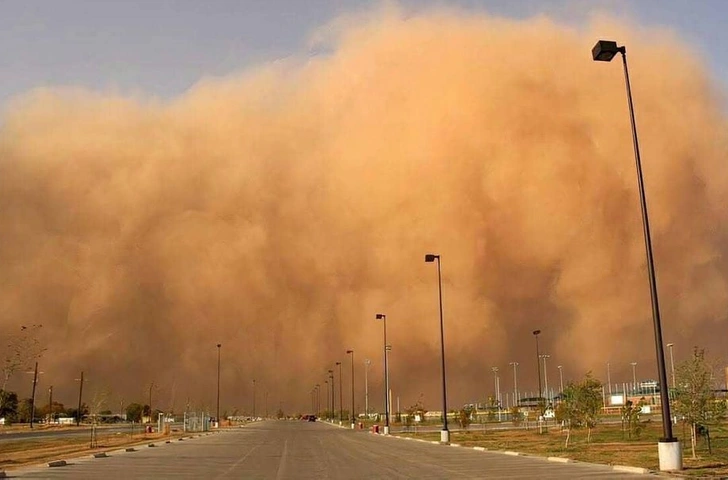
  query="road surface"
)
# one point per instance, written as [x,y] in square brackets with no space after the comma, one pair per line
[307,450]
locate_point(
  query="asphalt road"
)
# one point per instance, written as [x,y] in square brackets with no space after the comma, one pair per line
[303,450]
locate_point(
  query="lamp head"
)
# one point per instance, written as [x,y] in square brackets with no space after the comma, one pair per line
[219,345]
[536,332]
[605,50]
[350,351]
[430,257]
[381,316]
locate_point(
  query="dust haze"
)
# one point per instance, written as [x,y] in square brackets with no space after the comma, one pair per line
[276,211]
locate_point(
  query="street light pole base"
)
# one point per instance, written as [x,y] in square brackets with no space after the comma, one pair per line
[386,430]
[353,425]
[670,453]
[444,436]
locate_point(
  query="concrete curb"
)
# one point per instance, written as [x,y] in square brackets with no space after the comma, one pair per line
[628,469]
[130,449]
[559,460]
[57,463]
[616,468]
[100,455]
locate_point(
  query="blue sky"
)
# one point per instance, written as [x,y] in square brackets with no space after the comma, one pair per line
[162,47]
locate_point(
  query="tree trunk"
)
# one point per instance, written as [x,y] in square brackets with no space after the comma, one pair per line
[588,435]
[568,435]
[693,439]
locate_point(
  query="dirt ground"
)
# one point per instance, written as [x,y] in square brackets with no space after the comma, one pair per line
[19,453]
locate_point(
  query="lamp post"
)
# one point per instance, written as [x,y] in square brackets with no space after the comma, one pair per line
[328,400]
[545,375]
[672,364]
[333,398]
[445,433]
[383,317]
[496,390]
[318,399]
[536,333]
[218,383]
[341,395]
[515,383]
[151,386]
[634,377]
[367,362]
[561,378]
[609,379]
[254,400]
[668,447]
[353,415]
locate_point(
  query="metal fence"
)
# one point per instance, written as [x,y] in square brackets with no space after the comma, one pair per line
[197,422]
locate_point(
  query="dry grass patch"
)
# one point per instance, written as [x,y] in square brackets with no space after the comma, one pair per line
[24,452]
[609,446]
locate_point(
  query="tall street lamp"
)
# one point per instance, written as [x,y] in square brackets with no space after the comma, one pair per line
[545,375]
[634,377]
[383,317]
[496,387]
[218,383]
[536,333]
[341,395]
[561,378]
[328,400]
[670,454]
[672,364]
[318,399]
[515,382]
[609,379]
[367,362]
[445,433]
[333,397]
[254,400]
[353,415]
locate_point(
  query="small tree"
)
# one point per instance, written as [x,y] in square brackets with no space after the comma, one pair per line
[134,412]
[695,399]
[581,405]
[21,349]
[491,409]
[8,405]
[631,418]
[516,415]
[416,411]
[465,417]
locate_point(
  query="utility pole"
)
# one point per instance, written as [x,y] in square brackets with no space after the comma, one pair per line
[80,395]
[32,398]
[50,404]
